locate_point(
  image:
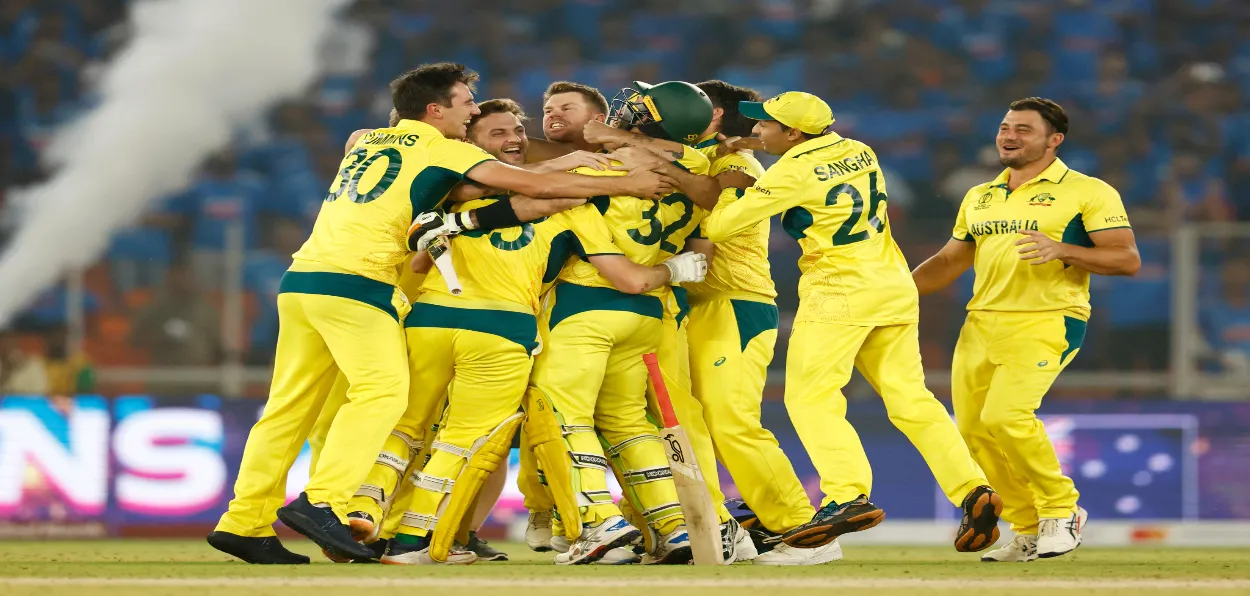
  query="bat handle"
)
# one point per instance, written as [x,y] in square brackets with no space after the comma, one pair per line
[661,390]
[441,251]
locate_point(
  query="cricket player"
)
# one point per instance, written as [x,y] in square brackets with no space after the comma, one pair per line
[591,367]
[1034,235]
[732,331]
[340,310]
[857,308]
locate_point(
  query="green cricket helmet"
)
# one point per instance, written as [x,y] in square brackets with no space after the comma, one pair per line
[674,110]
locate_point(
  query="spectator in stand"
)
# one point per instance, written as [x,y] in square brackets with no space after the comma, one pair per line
[179,327]
[20,373]
[69,372]
[1193,193]
[261,277]
[761,68]
[223,197]
[1138,309]
[1227,320]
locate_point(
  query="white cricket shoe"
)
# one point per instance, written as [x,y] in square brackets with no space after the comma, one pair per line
[1060,535]
[785,554]
[538,532]
[1021,549]
[399,554]
[623,555]
[736,543]
[671,549]
[559,544]
[596,541]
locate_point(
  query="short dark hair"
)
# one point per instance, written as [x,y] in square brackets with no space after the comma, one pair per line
[1051,112]
[726,97]
[590,94]
[416,89]
[498,106]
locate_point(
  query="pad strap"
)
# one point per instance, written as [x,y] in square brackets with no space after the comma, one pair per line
[452,449]
[418,520]
[661,513]
[588,460]
[645,475]
[414,445]
[433,484]
[619,448]
[393,461]
[373,492]
[568,429]
[588,498]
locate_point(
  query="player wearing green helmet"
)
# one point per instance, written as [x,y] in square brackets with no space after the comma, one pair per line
[674,110]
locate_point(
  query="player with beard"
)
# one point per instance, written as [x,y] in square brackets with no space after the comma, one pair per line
[1034,234]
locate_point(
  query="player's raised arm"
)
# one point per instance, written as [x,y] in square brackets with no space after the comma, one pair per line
[632,278]
[944,267]
[702,190]
[639,183]
[775,192]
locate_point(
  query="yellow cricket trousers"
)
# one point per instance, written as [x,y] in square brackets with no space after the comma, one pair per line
[327,322]
[481,359]
[1003,364]
[819,364]
[591,369]
[731,345]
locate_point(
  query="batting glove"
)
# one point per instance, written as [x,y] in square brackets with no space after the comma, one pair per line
[687,266]
[432,224]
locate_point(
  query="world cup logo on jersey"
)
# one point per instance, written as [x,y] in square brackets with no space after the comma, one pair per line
[984,201]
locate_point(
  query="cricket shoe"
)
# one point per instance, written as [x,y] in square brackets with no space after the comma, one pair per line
[785,554]
[979,528]
[1060,535]
[560,544]
[596,541]
[378,547]
[323,527]
[363,527]
[418,553]
[671,549]
[258,551]
[619,556]
[1021,549]
[834,520]
[483,549]
[736,544]
[538,531]
[762,539]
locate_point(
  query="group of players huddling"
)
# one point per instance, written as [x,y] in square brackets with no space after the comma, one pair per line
[641,226]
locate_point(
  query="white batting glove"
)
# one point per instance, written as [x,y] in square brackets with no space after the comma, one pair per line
[687,266]
[431,224]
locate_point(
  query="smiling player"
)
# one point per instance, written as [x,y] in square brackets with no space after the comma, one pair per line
[1034,234]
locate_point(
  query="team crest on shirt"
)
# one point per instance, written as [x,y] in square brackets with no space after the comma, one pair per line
[984,201]
[1043,200]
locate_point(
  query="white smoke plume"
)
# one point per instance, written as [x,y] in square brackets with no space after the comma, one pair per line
[193,71]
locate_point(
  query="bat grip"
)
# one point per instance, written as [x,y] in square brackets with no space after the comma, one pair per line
[661,391]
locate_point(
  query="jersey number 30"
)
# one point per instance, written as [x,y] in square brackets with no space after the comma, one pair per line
[354,167]
[844,236]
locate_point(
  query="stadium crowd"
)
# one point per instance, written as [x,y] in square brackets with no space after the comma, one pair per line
[1156,89]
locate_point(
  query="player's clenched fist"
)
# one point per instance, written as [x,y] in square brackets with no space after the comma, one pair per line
[687,266]
[1038,248]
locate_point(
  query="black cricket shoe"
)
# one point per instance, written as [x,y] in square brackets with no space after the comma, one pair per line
[834,520]
[483,549]
[979,528]
[764,539]
[323,527]
[258,551]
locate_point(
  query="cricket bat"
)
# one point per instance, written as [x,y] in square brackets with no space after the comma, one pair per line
[440,251]
[702,523]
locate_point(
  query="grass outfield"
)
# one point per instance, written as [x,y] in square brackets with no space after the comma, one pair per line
[182,567]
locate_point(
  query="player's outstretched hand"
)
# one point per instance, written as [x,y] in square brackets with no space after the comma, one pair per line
[635,158]
[1038,248]
[597,132]
[647,184]
[578,159]
[530,209]
[729,145]
[430,225]
[687,266]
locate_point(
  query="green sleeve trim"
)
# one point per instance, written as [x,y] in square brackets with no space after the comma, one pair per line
[966,238]
[1110,228]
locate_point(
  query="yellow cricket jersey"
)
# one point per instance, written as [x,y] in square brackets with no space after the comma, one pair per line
[1062,203]
[389,176]
[506,269]
[740,268]
[646,231]
[832,193]
[681,219]
[410,282]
